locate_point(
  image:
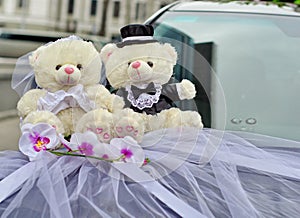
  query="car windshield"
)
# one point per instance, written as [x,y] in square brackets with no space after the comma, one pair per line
[253,57]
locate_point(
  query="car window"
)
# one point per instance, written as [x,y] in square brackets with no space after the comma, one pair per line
[255,60]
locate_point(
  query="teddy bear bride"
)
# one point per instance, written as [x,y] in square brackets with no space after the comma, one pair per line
[69,96]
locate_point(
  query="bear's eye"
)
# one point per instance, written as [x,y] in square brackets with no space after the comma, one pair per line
[129,64]
[79,66]
[57,67]
[150,63]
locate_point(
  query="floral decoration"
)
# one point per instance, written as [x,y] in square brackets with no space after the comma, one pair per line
[127,150]
[86,148]
[43,137]
[37,138]
[146,161]
[84,143]
[127,153]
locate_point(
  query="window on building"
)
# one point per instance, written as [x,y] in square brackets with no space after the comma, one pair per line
[140,11]
[70,6]
[143,11]
[116,9]
[21,3]
[93,10]
[137,9]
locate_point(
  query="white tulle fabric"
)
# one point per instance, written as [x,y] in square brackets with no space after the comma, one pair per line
[218,174]
[23,76]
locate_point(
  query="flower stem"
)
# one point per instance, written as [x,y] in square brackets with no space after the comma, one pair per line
[87,156]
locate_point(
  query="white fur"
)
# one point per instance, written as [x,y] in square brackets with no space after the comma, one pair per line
[186,89]
[71,52]
[116,62]
[99,121]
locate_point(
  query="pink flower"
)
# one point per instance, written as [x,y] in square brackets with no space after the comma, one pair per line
[39,142]
[105,156]
[86,149]
[37,137]
[87,143]
[126,152]
[128,148]
[146,161]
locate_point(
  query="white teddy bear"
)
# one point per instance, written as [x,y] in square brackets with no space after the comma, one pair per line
[69,96]
[140,68]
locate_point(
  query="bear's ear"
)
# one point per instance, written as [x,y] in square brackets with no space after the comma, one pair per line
[106,51]
[35,54]
[172,52]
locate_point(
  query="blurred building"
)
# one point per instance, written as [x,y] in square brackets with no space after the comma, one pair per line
[97,17]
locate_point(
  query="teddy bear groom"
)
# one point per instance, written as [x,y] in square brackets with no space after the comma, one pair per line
[140,68]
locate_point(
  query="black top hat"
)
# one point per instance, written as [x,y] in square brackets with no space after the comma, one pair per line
[136,30]
[140,34]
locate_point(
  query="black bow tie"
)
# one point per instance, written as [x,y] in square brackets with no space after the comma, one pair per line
[137,91]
